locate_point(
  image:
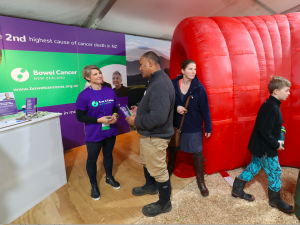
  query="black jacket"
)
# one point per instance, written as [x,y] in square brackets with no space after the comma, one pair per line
[106,84]
[198,108]
[156,109]
[267,128]
[121,92]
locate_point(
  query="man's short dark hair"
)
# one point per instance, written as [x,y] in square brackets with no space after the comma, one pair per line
[153,56]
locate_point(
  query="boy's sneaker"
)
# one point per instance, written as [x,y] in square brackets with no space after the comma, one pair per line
[112,182]
[95,193]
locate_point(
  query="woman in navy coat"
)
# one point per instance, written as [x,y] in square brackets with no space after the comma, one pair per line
[192,129]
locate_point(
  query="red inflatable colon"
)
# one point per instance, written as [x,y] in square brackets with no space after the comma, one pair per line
[236,58]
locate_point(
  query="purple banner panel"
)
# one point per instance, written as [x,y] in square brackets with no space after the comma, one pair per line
[72,131]
[28,35]
[100,42]
[1,40]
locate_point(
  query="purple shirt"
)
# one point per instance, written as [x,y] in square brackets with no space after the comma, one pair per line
[88,101]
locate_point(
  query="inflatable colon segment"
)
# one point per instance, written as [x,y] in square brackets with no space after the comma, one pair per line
[236,58]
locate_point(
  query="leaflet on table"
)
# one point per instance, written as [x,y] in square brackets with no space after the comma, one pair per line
[8,104]
[125,110]
[31,105]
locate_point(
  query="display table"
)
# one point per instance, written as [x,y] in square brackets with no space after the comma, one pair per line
[32,164]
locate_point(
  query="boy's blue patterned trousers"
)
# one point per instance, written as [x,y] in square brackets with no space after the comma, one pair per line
[271,167]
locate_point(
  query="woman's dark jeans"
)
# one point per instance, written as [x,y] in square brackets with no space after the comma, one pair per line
[94,149]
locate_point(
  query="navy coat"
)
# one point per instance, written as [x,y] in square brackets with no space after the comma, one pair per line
[198,108]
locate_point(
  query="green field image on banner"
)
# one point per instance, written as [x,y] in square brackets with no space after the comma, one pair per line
[51,77]
[100,61]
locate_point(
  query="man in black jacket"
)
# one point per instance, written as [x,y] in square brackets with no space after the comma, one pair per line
[263,145]
[154,122]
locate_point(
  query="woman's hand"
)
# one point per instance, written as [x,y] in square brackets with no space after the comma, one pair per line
[104,119]
[207,135]
[113,119]
[181,110]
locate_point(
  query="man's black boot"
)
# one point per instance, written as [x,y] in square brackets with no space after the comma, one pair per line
[163,205]
[149,188]
[275,200]
[238,190]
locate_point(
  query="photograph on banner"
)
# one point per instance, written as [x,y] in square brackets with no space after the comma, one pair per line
[8,105]
[135,47]
[115,76]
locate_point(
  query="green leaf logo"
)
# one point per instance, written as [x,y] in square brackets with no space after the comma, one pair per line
[94,103]
[19,74]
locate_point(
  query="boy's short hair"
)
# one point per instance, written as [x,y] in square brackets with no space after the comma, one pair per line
[277,82]
[86,72]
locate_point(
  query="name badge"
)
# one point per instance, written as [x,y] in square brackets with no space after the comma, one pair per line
[105,126]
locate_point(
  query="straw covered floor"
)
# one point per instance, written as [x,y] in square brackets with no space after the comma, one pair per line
[189,207]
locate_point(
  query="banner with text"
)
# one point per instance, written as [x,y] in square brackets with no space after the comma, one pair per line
[45,61]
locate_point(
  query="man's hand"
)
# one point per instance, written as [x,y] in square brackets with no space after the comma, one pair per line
[133,110]
[130,120]
[207,135]
[113,119]
[280,146]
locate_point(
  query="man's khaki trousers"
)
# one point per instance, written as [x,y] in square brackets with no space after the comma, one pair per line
[153,157]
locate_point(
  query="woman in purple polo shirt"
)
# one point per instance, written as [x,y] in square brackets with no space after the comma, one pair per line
[97,107]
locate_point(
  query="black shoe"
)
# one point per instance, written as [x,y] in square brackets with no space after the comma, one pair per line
[146,189]
[155,208]
[95,193]
[276,201]
[112,182]
[238,190]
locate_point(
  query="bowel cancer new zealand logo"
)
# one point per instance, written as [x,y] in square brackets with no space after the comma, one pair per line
[19,74]
[94,103]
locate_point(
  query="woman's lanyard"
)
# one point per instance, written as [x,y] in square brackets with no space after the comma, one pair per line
[103,105]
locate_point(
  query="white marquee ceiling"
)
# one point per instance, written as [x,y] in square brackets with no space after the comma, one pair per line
[155,18]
